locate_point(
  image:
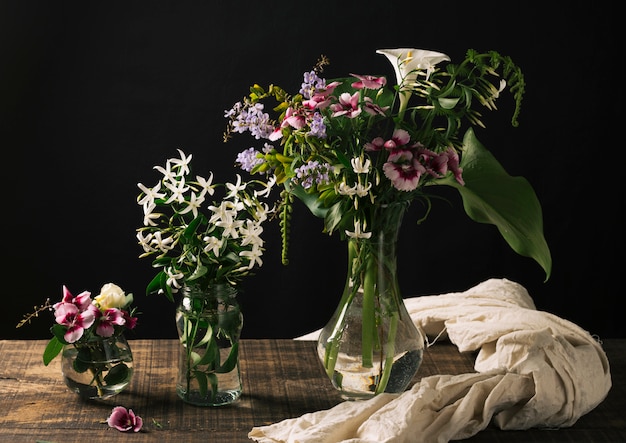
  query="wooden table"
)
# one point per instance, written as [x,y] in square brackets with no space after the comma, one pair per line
[282,379]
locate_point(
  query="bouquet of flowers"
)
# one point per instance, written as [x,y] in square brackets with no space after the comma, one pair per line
[357,152]
[203,249]
[97,361]
[349,146]
[194,247]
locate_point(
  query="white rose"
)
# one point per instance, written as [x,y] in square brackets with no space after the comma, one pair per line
[112,296]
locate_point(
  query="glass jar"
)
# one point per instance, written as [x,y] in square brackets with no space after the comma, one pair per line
[209,323]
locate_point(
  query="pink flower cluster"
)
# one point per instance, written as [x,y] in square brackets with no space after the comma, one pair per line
[407,163]
[319,98]
[79,313]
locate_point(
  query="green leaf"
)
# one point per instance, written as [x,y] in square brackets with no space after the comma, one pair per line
[342,158]
[310,200]
[59,333]
[198,272]
[53,348]
[231,361]
[83,360]
[491,195]
[211,356]
[190,231]
[333,217]
[159,281]
[212,378]
[448,103]
[117,374]
[208,336]
[203,383]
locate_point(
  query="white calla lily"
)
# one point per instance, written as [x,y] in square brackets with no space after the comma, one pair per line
[407,62]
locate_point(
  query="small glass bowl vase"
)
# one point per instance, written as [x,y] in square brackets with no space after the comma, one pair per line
[98,369]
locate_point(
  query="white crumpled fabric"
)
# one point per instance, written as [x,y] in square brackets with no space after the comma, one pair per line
[534,369]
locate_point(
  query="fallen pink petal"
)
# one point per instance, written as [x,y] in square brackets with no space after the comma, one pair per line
[124,420]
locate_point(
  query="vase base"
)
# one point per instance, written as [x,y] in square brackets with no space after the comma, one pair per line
[222,398]
[91,392]
[354,382]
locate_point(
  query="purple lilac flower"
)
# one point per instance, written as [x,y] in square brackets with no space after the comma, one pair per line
[248,159]
[311,83]
[318,128]
[313,173]
[251,118]
[235,110]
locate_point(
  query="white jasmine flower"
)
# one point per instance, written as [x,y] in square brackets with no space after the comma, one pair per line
[182,164]
[251,233]
[267,188]
[168,174]
[178,190]
[254,255]
[149,216]
[163,244]
[150,194]
[230,225]
[173,279]
[144,241]
[235,188]
[193,204]
[205,185]
[213,244]
[219,212]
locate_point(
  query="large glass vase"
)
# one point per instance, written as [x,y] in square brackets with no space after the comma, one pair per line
[371,345]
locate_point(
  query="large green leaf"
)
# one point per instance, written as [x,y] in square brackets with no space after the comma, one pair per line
[53,348]
[315,205]
[491,195]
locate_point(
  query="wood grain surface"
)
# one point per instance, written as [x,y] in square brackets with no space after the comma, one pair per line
[282,379]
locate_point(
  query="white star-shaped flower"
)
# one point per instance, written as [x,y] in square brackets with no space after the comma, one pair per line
[358,233]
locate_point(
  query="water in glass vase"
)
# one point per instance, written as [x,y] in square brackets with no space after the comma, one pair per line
[98,369]
[355,381]
[203,384]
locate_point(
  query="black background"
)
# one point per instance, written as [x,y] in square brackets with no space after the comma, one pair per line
[94,94]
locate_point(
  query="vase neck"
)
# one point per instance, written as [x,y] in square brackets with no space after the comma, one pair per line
[216,297]
[384,221]
[214,290]
[381,227]
[374,257]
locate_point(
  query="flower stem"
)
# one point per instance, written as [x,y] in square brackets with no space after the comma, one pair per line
[97,373]
[390,352]
[350,290]
[368,310]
